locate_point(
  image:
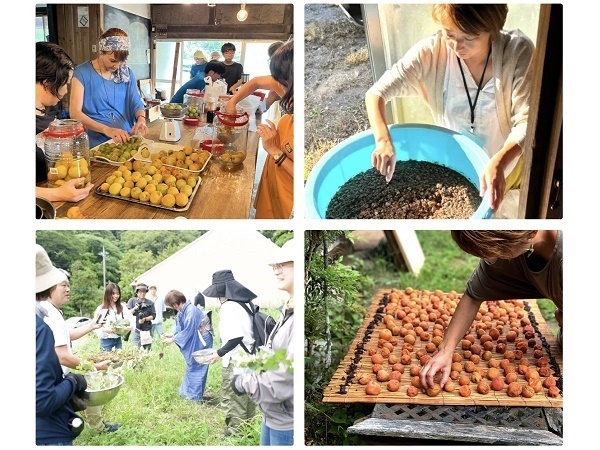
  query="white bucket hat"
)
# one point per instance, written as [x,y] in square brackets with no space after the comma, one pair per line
[283,254]
[46,275]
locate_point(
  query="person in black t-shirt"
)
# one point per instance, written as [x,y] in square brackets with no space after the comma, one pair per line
[233,70]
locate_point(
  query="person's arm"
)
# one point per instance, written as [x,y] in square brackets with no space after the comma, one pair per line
[461,321]
[76,333]
[266,82]
[383,157]
[492,178]
[65,193]
[272,144]
[272,97]
[76,112]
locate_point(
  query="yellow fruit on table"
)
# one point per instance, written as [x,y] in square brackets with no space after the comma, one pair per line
[168,200]
[187,190]
[137,165]
[173,190]
[150,188]
[148,178]
[104,187]
[180,155]
[158,177]
[180,183]
[135,193]
[187,150]
[125,192]
[157,163]
[155,198]
[111,179]
[195,167]
[120,180]
[129,184]
[144,196]
[191,181]
[171,160]
[129,164]
[117,173]
[181,199]
[115,188]
[162,188]
[170,180]
[195,157]
[146,153]
[136,176]
[141,183]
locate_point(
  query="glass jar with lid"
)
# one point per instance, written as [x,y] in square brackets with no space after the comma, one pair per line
[67,152]
[232,131]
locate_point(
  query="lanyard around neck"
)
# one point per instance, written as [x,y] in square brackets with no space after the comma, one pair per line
[472,104]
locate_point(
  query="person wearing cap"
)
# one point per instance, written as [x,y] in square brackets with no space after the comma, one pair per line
[190,336]
[214,70]
[105,95]
[144,311]
[159,308]
[235,328]
[273,390]
[215,56]
[198,67]
[55,418]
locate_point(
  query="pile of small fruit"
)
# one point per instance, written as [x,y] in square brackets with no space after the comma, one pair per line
[186,158]
[118,152]
[193,112]
[66,168]
[154,183]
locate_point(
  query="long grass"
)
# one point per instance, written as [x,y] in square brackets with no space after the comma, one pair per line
[150,409]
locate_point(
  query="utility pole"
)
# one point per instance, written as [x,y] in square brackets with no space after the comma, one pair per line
[104,254]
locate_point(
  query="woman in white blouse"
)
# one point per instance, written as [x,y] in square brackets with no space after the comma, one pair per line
[109,339]
[475,79]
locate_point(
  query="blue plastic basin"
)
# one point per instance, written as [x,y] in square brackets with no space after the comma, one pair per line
[417,142]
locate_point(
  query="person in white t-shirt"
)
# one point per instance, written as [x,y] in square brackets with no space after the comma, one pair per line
[475,78]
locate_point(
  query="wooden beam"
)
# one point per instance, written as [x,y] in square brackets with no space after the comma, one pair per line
[175,68]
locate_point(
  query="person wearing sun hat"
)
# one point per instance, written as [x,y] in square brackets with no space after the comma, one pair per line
[273,390]
[53,391]
[198,67]
[215,56]
[235,327]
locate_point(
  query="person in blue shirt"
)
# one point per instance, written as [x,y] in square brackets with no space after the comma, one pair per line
[104,93]
[191,334]
[200,65]
[214,70]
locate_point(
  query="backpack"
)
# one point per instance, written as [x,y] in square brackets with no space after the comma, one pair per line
[262,324]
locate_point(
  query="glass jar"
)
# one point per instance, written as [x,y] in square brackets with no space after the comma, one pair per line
[232,131]
[67,150]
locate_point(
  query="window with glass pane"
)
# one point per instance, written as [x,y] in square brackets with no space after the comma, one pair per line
[41,29]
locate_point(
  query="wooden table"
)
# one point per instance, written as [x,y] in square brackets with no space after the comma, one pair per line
[223,193]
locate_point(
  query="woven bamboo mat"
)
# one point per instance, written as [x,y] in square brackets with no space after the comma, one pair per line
[344,386]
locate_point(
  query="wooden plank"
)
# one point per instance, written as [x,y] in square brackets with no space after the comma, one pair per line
[352,391]
[440,431]
[406,249]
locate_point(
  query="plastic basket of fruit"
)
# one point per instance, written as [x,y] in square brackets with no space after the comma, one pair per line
[102,387]
[173,110]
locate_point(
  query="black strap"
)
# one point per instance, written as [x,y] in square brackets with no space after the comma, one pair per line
[474,103]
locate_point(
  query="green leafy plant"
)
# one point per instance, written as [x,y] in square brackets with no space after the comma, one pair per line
[264,360]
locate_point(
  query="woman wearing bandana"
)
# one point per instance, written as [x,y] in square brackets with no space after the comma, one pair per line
[104,93]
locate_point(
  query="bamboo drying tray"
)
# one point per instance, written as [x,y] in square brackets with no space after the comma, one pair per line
[344,386]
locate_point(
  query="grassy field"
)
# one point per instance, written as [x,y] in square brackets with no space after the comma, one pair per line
[150,409]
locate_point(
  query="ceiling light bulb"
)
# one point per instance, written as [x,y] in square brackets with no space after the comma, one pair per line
[242,13]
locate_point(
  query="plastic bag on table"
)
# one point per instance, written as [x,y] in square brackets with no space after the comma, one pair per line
[250,105]
[201,134]
[214,89]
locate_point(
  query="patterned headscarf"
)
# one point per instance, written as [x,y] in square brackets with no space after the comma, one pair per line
[111,44]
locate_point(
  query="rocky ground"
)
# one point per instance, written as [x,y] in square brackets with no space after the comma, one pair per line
[337,75]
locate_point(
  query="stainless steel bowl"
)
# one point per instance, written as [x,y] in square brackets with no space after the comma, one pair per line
[202,356]
[103,396]
[174,113]
[44,209]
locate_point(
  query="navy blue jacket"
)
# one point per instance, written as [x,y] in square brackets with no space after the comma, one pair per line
[52,391]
